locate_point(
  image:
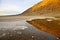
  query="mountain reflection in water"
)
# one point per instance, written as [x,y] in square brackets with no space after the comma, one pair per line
[21,30]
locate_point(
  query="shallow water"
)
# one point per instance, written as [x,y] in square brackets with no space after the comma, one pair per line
[21,30]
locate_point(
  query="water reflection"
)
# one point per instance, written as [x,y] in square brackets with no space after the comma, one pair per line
[21,30]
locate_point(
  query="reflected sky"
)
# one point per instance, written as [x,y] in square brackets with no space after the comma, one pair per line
[11,7]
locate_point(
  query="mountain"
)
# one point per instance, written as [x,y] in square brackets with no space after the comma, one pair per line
[43,7]
[46,8]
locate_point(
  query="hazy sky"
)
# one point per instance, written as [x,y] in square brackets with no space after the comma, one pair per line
[15,6]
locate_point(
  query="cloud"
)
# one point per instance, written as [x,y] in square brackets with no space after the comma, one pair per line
[11,7]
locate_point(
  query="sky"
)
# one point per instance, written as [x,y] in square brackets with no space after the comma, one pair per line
[12,7]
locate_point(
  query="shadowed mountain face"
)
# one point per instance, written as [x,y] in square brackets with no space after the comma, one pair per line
[43,7]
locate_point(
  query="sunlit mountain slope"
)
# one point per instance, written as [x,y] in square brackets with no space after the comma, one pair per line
[43,7]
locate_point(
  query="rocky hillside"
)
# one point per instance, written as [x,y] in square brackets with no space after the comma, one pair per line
[43,7]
